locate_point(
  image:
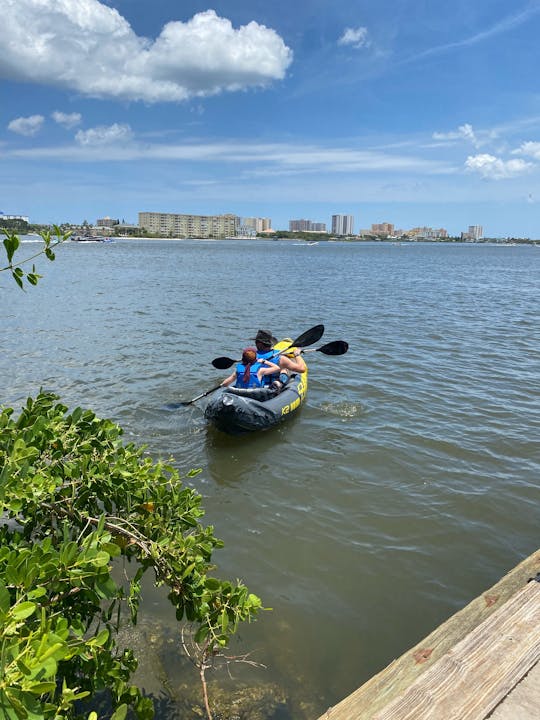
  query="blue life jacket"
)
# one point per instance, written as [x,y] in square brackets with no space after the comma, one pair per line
[273,356]
[254,381]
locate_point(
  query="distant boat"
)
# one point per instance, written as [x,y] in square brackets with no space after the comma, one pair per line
[89,238]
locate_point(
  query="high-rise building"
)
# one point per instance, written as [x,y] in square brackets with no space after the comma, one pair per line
[257,224]
[342,224]
[476,232]
[306,226]
[299,225]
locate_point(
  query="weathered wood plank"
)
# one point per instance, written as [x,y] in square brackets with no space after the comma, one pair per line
[523,702]
[369,699]
[473,677]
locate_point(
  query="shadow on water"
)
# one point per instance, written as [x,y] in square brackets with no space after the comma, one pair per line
[231,459]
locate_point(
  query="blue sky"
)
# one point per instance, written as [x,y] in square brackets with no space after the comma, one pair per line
[405,111]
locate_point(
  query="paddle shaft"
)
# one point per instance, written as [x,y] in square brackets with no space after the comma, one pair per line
[204,394]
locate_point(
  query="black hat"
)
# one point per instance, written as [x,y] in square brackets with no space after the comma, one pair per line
[265,338]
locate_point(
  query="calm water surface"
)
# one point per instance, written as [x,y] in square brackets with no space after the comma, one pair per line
[407,484]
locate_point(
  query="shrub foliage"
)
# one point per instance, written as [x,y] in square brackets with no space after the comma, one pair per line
[83,515]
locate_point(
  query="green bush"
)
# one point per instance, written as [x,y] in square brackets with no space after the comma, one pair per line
[74,501]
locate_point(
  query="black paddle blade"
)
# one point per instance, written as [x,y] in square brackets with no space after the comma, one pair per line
[309,337]
[338,347]
[223,363]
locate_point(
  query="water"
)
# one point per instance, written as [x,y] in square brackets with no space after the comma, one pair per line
[407,484]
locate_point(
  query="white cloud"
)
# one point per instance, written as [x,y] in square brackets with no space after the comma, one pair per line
[104,135]
[466,132]
[27,125]
[493,168]
[357,37]
[529,149]
[508,23]
[117,143]
[89,47]
[68,120]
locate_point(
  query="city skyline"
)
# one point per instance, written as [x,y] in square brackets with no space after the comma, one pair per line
[425,115]
[233,224]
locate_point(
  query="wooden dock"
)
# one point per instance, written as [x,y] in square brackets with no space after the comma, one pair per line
[482,662]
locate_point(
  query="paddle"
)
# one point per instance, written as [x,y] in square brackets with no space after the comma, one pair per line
[337,347]
[204,394]
[307,338]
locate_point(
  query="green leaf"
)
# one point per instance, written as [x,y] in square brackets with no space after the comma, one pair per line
[11,244]
[101,559]
[7,711]
[37,593]
[23,668]
[120,712]
[16,276]
[5,598]
[100,639]
[41,688]
[23,610]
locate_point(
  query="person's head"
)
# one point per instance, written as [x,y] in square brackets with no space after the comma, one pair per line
[249,355]
[264,340]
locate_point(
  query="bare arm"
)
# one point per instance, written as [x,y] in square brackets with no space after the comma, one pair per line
[229,380]
[268,368]
[295,364]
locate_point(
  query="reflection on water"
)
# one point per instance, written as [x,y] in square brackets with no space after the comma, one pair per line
[416,450]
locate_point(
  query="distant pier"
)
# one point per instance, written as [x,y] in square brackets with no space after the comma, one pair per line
[483,662]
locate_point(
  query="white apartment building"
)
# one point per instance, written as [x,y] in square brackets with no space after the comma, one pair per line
[3,216]
[476,232]
[190,226]
[342,224]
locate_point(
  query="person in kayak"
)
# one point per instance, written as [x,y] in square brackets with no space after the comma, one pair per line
[290,362]
[264,342]
[251,370]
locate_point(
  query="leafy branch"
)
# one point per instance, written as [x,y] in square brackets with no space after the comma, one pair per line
[74,499]
[11,245]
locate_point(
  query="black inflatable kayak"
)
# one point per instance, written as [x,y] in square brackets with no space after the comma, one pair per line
[236,411]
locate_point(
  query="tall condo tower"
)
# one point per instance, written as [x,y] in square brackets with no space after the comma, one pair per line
[476,232]
[342,224]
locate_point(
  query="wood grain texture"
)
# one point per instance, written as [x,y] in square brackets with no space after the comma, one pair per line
[391,683]
[472,678]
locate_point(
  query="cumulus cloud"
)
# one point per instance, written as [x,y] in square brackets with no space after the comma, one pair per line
[68,120]
[357,37]
[89,47]
[493,168]
[529,149]
[105,135]
[27,125]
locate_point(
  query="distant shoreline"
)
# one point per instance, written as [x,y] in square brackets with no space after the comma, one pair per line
[395,243]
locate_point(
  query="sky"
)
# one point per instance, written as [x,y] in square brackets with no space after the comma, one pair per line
[413,112]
